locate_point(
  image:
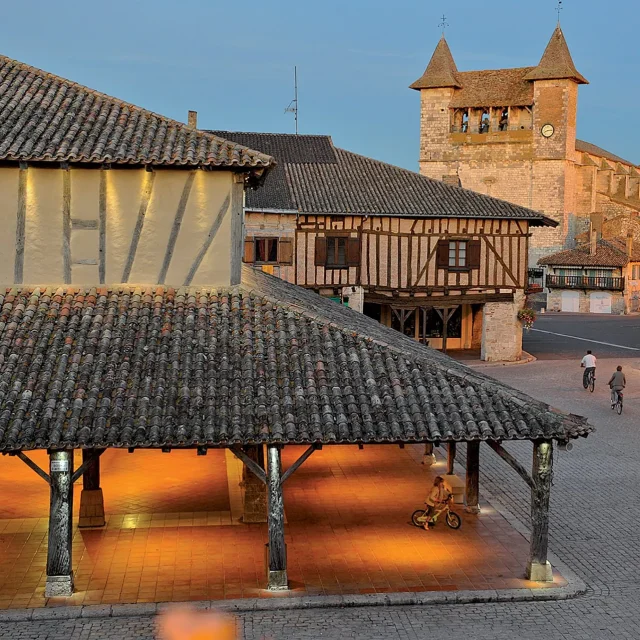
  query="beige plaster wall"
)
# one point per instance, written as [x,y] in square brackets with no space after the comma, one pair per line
[137,216]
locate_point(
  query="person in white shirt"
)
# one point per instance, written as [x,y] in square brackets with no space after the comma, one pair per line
[589,364]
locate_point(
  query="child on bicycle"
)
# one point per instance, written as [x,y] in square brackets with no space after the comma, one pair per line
[437,496]
[617,383]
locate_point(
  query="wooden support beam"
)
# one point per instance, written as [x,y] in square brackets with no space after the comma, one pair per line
[287,474]
[277,562]
[256,469]
[538,567]
[90,465]
[473,478]
[59,573]
[33,466]
[451,457]
[513,463]
[91,497]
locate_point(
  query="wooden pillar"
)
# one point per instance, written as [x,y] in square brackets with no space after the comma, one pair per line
[277,556]
[254,502]
[59,573]
[473,477]
[538,568]
[451,456]
[91,498]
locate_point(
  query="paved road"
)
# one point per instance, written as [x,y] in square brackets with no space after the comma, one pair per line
[594,529]
[549,339]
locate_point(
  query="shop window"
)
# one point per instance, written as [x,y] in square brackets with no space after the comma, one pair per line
[431,324]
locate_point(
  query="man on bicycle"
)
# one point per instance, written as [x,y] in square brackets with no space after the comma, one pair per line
[617,383]
[437,496]
[589,364]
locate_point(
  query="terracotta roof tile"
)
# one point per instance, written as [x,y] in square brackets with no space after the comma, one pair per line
[44,117]
[494,88]
[263,362]
[609,253]
[332,180]
[587,147]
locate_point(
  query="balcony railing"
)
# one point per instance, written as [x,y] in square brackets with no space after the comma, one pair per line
[585,282]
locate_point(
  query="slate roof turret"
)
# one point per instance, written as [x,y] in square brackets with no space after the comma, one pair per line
[441,70]
[556,62]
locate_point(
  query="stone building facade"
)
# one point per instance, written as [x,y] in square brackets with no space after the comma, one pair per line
[511,134]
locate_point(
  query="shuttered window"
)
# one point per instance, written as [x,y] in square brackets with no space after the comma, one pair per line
[458,254]
[337,252]
[266,250]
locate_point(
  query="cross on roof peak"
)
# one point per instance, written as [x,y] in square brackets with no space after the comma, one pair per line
[444,24]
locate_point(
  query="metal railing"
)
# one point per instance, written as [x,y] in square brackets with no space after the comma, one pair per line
[585,282]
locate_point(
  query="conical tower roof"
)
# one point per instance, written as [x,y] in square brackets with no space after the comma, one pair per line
[441,70]
[556,62]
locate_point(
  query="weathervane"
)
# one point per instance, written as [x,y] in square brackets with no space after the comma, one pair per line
[558,10]
[293,105]
[444,24]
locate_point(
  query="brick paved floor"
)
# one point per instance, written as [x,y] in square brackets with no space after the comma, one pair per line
[594,528]
[348,531]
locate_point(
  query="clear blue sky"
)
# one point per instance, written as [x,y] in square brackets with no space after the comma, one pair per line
[233,61]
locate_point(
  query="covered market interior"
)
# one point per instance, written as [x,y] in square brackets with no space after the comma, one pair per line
[268,377]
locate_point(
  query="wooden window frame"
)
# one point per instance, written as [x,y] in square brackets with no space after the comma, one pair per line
[457,266]
[336,238]
[258,239]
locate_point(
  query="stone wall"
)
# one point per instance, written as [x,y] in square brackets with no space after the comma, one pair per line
[554,302]
[502,331]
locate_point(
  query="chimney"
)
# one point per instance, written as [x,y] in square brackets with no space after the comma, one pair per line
[629,244]
[593,244]
[192,122]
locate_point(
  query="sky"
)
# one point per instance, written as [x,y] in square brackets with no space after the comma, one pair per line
[233,61]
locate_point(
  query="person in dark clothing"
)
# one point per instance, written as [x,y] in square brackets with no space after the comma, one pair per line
[617,383]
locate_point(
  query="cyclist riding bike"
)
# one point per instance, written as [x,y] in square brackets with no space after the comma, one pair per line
[437,496]
[589,364]
[617,383]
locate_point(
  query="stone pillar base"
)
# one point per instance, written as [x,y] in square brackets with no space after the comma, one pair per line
[277,580]
[59,586]
[539,572]
[91,508]
[472,508]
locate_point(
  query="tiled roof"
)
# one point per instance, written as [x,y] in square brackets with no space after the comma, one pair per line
[354,184]
[441,70]
[556,62]
[609,253]
[275,193]
[587,147]
[494,88]
[46,118]
[263,362]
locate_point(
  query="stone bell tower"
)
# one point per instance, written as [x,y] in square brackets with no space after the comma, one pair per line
[509,133]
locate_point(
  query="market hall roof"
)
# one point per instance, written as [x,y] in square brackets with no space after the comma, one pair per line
[44,117]
[314,177]
[265,362]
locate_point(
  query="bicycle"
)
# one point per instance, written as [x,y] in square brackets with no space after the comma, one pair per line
[617,405]
[419,517]
[591,381]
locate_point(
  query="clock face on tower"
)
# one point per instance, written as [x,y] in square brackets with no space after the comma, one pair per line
[547,130]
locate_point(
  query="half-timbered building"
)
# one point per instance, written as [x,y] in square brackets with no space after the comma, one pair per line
[441,264]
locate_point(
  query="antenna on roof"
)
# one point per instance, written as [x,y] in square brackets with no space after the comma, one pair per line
[444,24]
[293,105]
[558,10]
